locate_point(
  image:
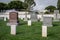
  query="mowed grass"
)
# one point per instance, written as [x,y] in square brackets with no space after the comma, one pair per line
[25,32]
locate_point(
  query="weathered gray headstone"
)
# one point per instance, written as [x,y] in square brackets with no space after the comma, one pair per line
[47,21]
[56,15]
[33,17]
[56,11]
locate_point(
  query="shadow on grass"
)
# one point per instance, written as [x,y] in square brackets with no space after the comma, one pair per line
[56,23]
[19,33]
[22,23]
[51,34]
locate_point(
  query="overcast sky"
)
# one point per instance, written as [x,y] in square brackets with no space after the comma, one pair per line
[40,4]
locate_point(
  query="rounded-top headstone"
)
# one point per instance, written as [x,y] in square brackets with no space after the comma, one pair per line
[13,17]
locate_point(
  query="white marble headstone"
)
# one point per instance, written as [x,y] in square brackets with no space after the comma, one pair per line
[29,22]
[13,29]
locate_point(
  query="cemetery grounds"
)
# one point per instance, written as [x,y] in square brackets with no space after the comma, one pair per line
[25,32]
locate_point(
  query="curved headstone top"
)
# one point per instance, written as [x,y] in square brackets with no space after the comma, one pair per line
[11,10]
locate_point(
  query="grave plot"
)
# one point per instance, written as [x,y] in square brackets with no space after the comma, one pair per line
[33,18]
[47,21]
[13,21]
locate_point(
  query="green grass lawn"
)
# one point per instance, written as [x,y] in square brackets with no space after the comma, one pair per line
[25,32]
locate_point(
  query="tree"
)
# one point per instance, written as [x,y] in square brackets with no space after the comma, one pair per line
[51,8]
[3,6]
[29,3]
[15,5]
[58,5]
[18,5]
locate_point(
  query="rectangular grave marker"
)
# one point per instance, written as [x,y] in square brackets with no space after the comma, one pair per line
[56,13]
[47,21]
[13,17]
[13,29]
[33,17]
[29,22]
[44,31]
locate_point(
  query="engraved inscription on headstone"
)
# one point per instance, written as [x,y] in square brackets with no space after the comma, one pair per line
[13,17]
[47,21]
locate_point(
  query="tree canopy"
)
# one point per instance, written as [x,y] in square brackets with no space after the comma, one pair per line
[29,2]
[3,6]
[17,5]
[51,8]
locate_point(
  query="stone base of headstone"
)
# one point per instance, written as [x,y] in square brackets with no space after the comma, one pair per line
[44,31]
[9,24]
[29,22]
[13,29]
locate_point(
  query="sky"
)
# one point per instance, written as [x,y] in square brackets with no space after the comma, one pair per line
[40,4]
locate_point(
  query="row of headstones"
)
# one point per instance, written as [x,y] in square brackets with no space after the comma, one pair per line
[47,22]
[56,15]
[13,22]
[34,16]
